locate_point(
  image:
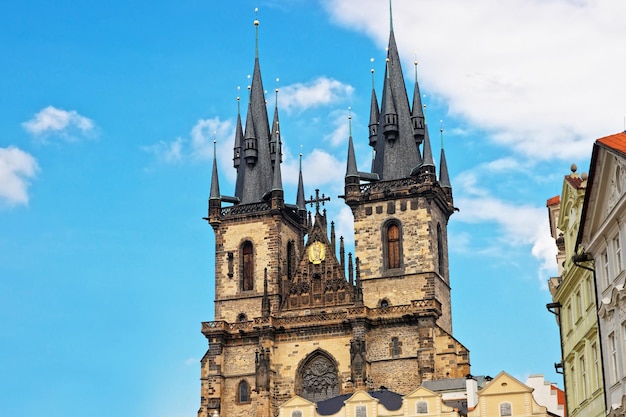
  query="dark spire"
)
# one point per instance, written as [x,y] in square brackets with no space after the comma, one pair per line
[428,153]
[275,141]
[374,115]
[396,152]
[238,136]
[256,174]
[300,199]
[215,184]
[444,178]
[417,113]
[277,182]
[351,168]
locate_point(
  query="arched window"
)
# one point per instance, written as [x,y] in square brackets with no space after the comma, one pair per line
[317,378]
[422,407]
[395,347]
[242,317]
[384,303]
[440,257]
[505,409]
[392,245]
[243,392]
[247,264]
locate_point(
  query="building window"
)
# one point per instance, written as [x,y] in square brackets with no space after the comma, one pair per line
[579,305]
[573,386]
[583,379]
[596,366]
[617,247]
[570,317]
[317,378]
[243,392]
[392,245]
[613,358]
[505,409]
[360,411]
[296,413]
[590,291]
[395,347]
[242,317]
[422,407]
[247,266]
[605,268]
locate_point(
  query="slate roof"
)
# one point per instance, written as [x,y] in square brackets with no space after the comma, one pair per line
[390,400]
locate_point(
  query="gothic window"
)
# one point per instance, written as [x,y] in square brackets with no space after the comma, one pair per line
[247,266]
[392,245]
[505,409]
[384,303]
[243,392]
[395,347]
[242,317]
[440,257]
[318,378]
[291,259]
[422,407]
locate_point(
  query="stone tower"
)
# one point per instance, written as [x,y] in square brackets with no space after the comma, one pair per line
[296,316]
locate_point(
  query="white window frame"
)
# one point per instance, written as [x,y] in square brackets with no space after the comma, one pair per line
[422,411]
[360,411]
[596,366]
[613,363]
[606,269]
[583,378]
[617,248]
[506,409]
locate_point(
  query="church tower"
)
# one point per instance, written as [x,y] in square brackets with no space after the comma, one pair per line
[401,209]
[293,314]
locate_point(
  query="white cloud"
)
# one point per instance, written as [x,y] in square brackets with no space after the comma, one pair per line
[543,78]
[16,168]
[63,123]
[199,145]
[319,92]
[341,129]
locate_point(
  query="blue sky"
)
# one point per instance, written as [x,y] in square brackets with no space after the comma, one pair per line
[107,118]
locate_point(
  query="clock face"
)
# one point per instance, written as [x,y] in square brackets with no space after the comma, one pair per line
[317,252]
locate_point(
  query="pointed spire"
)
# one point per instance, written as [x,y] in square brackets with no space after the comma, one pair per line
[300,199]
[428,153]
[374,115]
[395,151]
[215,184]
[275,142]
[444,178]
[238,136]
[390,17]
[277,182]
[255,177]
[351,168]
[417,113]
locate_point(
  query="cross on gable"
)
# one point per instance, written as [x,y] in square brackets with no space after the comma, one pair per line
[317,200]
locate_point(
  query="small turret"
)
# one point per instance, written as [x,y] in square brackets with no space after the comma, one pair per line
[390,116]
[374,116]
[417,113]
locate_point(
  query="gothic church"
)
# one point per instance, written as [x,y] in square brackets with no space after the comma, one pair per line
[293,314]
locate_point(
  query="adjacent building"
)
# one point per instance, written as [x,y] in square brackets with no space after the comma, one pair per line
[599,244]
[574,303]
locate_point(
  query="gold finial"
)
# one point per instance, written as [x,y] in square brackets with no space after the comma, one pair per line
[256,16]
[441,132]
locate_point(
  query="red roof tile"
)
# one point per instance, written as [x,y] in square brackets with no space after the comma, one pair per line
[574,181]
[553,201]
[616,142]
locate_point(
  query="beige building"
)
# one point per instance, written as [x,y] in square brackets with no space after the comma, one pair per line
[574,296]
[501,397]
[295,315]
[600,241]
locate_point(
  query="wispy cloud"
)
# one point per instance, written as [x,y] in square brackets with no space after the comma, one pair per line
[199,144]
[319,92]
[67,125]
[16,169]
[544,79]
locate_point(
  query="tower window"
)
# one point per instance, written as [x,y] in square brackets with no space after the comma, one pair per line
[247,261]
[395,347]
[291,259]
[242,317]
[392,245]
[243,392]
